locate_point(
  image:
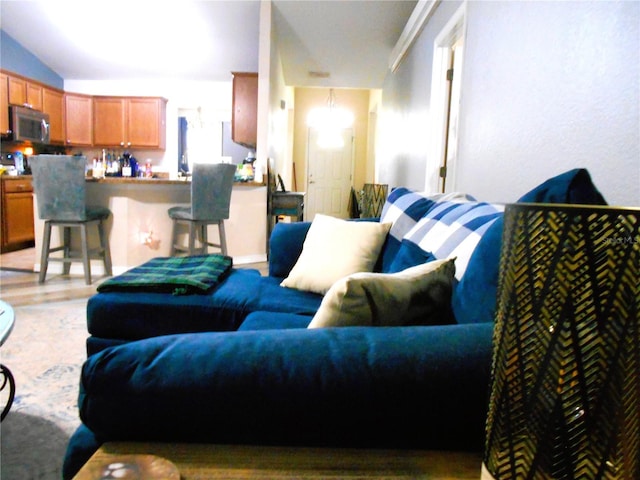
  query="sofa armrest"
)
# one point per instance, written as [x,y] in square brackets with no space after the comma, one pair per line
[285,246]
[401,387]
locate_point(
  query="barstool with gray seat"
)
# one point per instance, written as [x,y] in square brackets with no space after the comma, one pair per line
[211,186]
[59,186]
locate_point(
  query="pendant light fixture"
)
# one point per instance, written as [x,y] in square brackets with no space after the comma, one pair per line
[330,121]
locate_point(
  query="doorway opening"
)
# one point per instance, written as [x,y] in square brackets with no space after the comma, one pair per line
[445,104]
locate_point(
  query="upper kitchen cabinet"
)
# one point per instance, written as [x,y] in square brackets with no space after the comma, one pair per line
[129,122]
[108,121]
[53,104]
[147,122]
[78,119]
[244,115]
[4,104]
[23,92]
[16,90]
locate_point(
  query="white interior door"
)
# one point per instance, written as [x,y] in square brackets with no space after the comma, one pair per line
[329,173]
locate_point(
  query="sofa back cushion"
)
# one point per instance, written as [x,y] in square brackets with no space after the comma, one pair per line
[474,298]
[285,246]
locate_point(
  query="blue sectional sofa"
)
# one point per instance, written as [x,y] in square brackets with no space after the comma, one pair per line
[239,365]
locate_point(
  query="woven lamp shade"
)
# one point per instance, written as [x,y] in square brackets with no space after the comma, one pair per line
[565,385]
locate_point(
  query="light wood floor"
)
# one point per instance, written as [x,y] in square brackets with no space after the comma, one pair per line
[19,283]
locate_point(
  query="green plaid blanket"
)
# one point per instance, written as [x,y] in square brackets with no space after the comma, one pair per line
[177,275]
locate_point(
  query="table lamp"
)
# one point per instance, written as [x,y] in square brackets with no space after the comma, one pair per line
[565,380]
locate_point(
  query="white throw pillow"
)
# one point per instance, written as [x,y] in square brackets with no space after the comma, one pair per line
[335,248]
[419,295]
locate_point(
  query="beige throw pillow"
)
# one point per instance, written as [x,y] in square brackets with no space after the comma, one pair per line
[335,248]
[419,295]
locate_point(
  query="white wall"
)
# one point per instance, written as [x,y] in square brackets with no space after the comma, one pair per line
[403,119]
[547,86]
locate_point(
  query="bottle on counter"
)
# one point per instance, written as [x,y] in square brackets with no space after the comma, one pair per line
[134,166]
[148,169]
[250,158]
[184,166]
[126,167]
[98,168]
[114,167]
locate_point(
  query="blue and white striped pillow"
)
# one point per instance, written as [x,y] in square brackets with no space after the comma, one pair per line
[453,229]
[402,209]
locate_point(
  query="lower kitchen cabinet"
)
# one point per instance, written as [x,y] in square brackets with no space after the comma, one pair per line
[17,213]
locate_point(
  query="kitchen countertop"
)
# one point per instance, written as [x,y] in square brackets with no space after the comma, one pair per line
[15,177]
[138,181]
[158,181]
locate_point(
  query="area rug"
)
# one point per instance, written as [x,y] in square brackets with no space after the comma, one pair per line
[44,352]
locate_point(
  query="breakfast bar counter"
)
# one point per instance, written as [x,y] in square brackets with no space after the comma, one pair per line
[140,228]
[139,181]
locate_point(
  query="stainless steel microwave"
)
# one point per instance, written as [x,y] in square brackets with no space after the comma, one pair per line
[28,125]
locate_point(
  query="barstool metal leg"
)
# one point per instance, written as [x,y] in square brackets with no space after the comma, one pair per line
[192,238]
[106,251]
[174,238]
[204,235]
[223,237]
[44,257]
[85,253]
[66,239]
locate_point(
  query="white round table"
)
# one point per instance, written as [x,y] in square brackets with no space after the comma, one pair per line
[6,377]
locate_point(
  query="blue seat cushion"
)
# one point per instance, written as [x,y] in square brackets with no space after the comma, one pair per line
[474,298]
[180,213]
[405,387]
[97,212]
[137,315]
[274,320]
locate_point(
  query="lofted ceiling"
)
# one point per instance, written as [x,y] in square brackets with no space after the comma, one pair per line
[351,41]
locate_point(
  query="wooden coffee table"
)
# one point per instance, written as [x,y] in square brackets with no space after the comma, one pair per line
[199,461]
